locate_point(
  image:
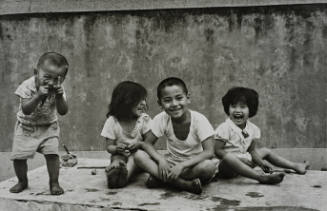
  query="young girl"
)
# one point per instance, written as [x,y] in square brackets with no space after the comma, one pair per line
[237,137]
[189,144]
[126,127]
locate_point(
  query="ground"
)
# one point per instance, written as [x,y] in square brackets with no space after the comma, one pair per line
[84,191]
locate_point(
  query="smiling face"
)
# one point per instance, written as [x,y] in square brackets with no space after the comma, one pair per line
[239,114]
[140,108]
[50,75]
[174,101]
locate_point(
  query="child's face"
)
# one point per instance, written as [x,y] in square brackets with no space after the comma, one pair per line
[174,101]
[50,75]
[140,108]
[239,114]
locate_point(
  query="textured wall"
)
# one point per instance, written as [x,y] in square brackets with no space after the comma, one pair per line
[279,51]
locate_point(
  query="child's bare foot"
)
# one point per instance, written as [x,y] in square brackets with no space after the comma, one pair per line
[271,179]
[19,187]
[55,189]
[153,182]
[196,186]
[117,176]
[301,168]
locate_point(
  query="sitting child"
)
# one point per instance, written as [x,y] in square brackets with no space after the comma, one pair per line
[237,137]
[37,126]
[126,127]
[189,144]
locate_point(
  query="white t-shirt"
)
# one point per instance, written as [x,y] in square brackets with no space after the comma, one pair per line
[43,114]
[235,141]
[113,130]
[181,150]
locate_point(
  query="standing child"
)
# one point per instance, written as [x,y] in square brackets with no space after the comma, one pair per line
[126,127]
[189,144]
[237,137]
[37,126]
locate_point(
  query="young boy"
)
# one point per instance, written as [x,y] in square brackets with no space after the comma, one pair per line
[237,137]
[189,144]
[37,128]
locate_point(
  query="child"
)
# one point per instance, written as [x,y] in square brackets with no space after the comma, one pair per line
[237,137]
[189,144]
[126,127]
[37,126]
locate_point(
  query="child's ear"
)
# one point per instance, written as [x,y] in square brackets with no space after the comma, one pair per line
[188,96]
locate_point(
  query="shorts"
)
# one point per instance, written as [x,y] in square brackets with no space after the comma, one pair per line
[29,139]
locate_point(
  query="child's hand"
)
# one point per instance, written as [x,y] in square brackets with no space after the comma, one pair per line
[58,87]
[163,169]
[266,168]
[43,91]
[133,147]
[175,171]
[121,148]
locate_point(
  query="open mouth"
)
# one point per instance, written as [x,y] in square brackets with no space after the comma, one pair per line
[238,116]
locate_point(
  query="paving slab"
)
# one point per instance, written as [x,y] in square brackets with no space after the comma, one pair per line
[84,191]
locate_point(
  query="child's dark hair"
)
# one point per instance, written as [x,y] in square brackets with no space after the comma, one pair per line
[53,58]
[241,94]
[170,82]
[125,96]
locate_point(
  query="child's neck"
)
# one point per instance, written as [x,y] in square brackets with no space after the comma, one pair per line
[185,118]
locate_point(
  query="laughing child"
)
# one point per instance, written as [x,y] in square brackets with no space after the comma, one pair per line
[236,141]
[37,129]
[126,126]
[189,142]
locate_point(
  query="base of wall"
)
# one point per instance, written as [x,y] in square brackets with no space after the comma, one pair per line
[316,156]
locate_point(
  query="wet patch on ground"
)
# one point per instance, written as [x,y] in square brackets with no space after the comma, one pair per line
[167,195]
[91,190]
[316,186]
[116,203]
[254,194]
[146,204]
[194,196]
[276,208]
[111,193]
[225,202]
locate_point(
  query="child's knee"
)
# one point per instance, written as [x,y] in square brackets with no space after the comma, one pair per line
[207,168]
[140,156]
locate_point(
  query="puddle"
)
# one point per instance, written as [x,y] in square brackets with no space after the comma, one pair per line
[116,203]
[254,194]
[277,208]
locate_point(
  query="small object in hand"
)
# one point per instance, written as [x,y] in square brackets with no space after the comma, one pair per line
[94,172]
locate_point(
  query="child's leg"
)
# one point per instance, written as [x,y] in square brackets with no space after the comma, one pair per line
[131,167]
[277,160]
[232,163]
[53,165]
[20,167]
[117,173]
[204,170]
[144,161]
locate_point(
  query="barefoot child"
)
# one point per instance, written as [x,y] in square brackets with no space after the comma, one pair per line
[37,129]
[236,141]
[126,127]
[189,144]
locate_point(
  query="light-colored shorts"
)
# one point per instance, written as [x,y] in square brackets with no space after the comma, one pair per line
[29,139]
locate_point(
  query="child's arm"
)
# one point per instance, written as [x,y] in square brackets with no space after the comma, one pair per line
[61,102]
[219,147]
[113,148]
[147,146]
[29,105]
[256,158]
[207,153]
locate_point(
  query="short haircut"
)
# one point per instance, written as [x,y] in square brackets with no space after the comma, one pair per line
[241,94]
[53,58]
[170,82]
[125,96]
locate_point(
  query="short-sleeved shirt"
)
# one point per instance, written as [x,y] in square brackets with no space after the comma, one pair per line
[44,114]
[182,150]
[235,140]
[113,130]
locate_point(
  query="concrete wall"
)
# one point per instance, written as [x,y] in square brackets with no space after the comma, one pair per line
[279,51]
